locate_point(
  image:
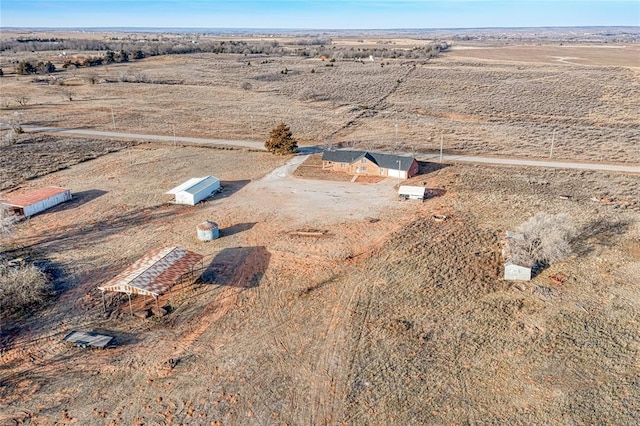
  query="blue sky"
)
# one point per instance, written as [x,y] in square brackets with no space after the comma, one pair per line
[318,14]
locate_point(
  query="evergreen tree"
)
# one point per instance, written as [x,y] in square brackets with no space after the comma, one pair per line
[281,141]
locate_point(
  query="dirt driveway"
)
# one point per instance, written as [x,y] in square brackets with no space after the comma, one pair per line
[305,202]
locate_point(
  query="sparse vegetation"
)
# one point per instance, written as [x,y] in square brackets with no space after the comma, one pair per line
[34,156]
[23,287]
[547,237]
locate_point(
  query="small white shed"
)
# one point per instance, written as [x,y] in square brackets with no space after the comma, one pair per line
[37,201]
[195,190]
[516,272]
[518,264]
[411,192]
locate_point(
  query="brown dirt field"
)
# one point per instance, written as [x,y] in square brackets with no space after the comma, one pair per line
[401,320]
[573,54]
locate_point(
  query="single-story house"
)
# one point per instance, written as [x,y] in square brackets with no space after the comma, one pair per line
[409,192]
[37,201]
[370,163]
[155,273]
[195,190]
[518,264]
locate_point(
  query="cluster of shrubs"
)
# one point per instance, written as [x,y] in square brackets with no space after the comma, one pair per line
[24,287]
[26,67]
[109,57]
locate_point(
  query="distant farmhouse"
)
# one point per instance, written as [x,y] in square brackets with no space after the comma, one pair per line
[38,200]
[370,163]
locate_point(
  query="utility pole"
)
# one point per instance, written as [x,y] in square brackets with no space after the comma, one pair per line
[441,143]
[113,119]
[396,133]
[553,139]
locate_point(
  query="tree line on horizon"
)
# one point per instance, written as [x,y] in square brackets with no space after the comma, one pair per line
[140,48]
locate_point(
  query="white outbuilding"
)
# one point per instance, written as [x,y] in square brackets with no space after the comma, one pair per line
[409,192]
[195,190]
[37,201]
[518,265]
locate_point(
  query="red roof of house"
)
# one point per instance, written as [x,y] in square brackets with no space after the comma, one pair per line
[155,272]
[35,196]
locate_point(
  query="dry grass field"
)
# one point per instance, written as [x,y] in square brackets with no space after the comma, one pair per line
[33,156]
[397,320]
[482,99]
[326,301]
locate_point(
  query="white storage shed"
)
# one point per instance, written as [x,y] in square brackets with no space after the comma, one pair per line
[411,192]
[516,272]
[518,264]
[37,201]
[195,190]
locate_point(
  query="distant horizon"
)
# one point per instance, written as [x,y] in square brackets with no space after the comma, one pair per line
[319,14]
[402,30]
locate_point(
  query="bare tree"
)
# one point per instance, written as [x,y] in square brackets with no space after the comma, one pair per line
[547,237]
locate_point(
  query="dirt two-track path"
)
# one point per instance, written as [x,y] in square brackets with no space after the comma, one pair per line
[499,161]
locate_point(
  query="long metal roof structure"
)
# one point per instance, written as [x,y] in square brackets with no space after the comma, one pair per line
[155,272]
[84,339]
[34,196]
[193,185]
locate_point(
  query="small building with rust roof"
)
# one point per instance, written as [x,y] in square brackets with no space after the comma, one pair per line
[156,273]
[39,200]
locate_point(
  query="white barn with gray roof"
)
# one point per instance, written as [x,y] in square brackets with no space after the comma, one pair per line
[195,190]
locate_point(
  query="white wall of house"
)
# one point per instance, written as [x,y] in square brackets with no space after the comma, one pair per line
[397,173]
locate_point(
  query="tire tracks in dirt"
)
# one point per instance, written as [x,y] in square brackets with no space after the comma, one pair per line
[211,313]
[325,386]
[375,106]
[329,388]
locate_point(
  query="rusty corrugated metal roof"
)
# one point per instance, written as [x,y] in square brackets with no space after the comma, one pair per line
[207,226]
[35,196]
[155,272]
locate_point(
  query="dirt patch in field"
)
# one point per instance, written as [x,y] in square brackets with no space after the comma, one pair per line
[311,168]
